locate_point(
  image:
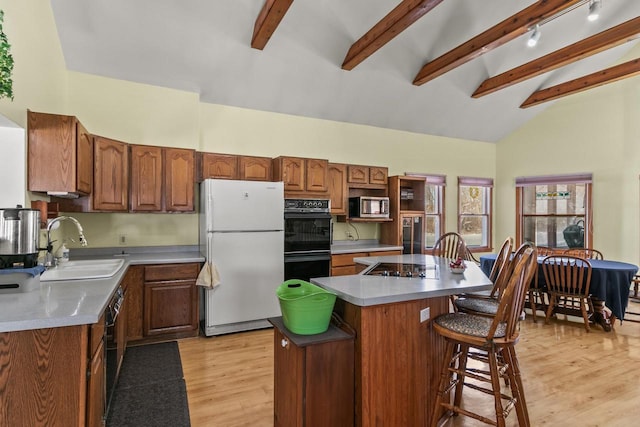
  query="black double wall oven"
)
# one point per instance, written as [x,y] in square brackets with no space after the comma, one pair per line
[307,238]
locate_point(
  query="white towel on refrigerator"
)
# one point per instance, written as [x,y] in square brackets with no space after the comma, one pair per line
[209,276]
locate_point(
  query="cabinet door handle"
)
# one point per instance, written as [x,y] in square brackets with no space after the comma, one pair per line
[284,343]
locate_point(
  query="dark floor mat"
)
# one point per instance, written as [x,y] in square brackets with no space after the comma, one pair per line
[157,404]
[148,364]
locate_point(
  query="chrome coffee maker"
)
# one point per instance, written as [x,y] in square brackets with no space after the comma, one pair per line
[19,237]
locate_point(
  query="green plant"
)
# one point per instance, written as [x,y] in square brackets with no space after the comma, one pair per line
[6,63]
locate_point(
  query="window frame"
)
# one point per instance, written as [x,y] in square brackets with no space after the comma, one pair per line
[488,184]
[532,181]
[440,181]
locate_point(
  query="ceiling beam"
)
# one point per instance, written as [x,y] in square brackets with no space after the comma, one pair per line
[396,21]
[603,77]
[268,20]
[600,42]
[507,30]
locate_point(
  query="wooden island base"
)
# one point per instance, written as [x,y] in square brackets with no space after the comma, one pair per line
[397,361]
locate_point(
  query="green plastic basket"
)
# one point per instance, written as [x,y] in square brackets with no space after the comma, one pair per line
[306,308]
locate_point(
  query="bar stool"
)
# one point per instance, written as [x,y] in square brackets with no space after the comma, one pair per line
[488,305]
[493,339]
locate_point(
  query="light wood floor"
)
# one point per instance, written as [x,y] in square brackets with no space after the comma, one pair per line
[571,377]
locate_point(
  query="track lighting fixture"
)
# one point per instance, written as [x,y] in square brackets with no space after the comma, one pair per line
[594,9]
[534,37]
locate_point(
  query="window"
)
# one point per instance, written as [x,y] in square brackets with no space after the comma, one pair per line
[554,211]
[474,212]
[434,207]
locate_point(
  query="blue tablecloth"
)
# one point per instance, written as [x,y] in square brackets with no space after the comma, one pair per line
[610,281]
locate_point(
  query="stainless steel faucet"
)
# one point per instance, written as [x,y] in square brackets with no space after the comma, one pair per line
[81,238]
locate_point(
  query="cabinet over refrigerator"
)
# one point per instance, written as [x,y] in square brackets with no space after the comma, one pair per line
[241,233]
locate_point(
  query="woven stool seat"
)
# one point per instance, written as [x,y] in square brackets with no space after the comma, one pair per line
[488,306]
[470,324]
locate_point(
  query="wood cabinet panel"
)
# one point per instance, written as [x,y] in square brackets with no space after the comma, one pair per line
[179,174]
[358,174]
[96,388]
[316,175]
[378,175]
[84,159]
[403,345]
[146,178]
[291,171]
[342,260]
[219,166]
[60,154]
[301,175]
[255,168]
[344,265]
[133,285]
[337,187]
[170,307]
[111,189]
[170,299]
[43,380]
[306,392]
[165,272]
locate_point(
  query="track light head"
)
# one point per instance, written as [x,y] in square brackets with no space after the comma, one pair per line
[534,37]
[594,10]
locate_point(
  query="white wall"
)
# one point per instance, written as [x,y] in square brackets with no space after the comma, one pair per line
[12,165]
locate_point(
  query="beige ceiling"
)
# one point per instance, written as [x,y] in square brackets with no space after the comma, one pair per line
[204,46]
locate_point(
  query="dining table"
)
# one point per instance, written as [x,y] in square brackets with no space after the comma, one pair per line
[610,283]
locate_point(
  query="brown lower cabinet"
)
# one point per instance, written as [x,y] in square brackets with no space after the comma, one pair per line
[313,378]
[162,301]
[53,377]
[344,265]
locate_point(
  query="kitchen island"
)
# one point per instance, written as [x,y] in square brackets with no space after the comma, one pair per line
[397,354]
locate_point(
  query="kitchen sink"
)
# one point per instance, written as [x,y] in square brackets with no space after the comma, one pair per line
[82,270]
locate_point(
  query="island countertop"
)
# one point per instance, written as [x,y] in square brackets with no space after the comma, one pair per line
[362,290]
[77,302]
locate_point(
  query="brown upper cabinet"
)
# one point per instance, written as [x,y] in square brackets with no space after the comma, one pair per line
[301,175]
[220,166]
[60,154]
[254,168]
[111,180]
[146,178]
[162,179]
[179,179]
[231,166]
[337,183]
[367,176]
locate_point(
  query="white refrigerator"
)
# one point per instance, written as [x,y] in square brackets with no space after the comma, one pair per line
[242,234]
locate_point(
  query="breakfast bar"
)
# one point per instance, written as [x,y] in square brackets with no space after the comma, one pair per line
[397,355]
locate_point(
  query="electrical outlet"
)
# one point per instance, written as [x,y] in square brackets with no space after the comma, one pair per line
[425,314]
[122,239]
[348,233]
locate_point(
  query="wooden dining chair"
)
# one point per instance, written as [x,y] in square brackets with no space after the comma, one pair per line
[546,251]
[490,340]
[585,253]
[568,279]
[451,246]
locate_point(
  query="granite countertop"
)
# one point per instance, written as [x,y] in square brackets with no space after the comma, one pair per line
[354,246]
[364,291]
[79,302]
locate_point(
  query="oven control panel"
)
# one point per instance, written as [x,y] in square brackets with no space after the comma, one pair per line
[307,205]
